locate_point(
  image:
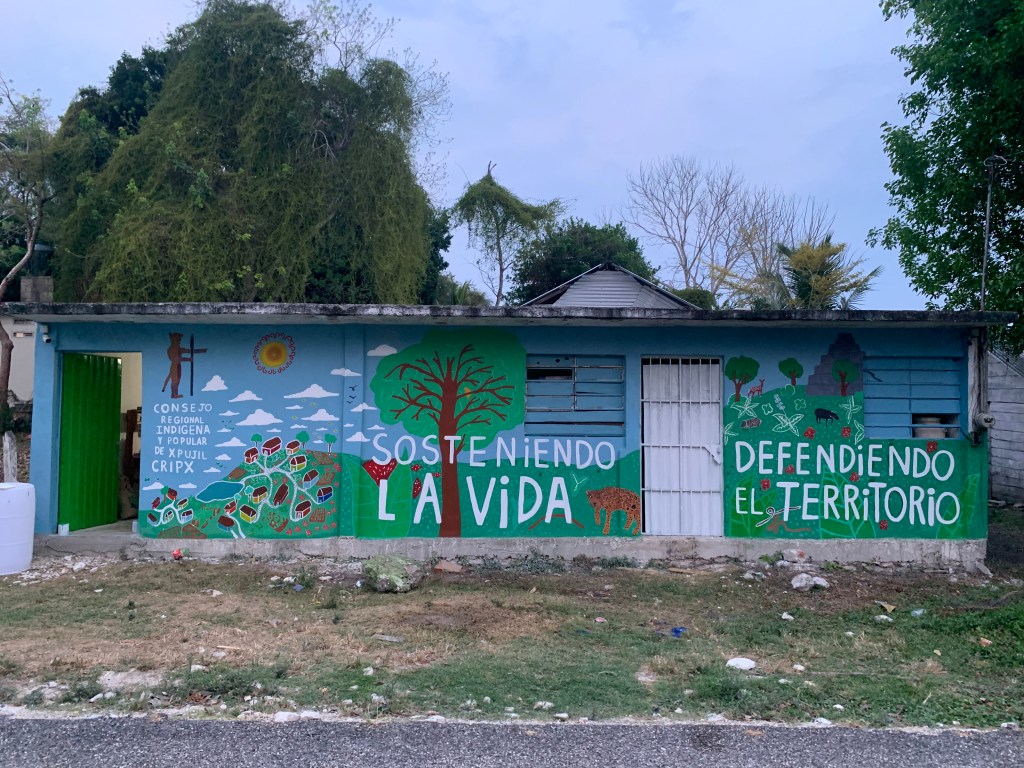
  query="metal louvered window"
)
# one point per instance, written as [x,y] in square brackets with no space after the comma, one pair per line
[575,395]
[912,397]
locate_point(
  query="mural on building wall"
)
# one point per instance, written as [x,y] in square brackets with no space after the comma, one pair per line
[798,462]
[433,436]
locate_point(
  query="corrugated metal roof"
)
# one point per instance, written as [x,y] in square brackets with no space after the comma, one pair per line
[611,288]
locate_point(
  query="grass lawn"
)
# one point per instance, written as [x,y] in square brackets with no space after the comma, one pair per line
[594,642]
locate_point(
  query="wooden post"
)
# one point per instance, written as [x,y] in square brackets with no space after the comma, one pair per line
[10,458]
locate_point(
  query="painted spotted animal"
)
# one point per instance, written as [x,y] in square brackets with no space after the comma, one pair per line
[610,500]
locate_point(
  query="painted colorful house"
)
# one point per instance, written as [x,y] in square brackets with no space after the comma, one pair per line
[647,422]
[251,455]
[297,463]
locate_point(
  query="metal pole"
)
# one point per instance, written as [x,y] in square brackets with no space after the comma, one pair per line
[990,164]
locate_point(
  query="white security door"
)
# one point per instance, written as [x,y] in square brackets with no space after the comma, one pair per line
[682,446]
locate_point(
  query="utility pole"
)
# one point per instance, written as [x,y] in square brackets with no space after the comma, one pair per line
[990,163]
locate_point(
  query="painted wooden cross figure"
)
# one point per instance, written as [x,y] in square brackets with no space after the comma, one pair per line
[176,355]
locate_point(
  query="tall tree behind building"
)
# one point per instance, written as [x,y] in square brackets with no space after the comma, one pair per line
[967,106]
[255,157]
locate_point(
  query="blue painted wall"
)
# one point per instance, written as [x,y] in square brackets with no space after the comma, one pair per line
[322,354]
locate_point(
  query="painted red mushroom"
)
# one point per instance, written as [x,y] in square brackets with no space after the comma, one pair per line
[379,471]
[417,488]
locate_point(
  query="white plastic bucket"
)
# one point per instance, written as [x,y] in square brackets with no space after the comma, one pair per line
[17,522]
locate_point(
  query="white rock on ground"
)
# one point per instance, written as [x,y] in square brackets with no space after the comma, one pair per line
[883,618]
[545,705]
[787,617]
[286,717]
[821,721]
[819,582]
[803,582]
[741,662]
[562,716]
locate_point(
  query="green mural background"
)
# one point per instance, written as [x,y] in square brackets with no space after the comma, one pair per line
[844,484]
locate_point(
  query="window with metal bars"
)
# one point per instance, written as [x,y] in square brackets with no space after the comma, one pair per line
[575,395]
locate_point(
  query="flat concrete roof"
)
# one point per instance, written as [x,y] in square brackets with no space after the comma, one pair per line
[395,314]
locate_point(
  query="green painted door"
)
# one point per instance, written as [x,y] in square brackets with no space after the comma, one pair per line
[90,432]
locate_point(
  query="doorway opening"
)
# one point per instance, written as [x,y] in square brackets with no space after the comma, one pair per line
[681,439]
[100,428]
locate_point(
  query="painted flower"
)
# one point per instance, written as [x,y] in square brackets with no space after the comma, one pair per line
[854,477]
[846,432]
[932,446]
[416,467]
[790,469]
[337,467]
[766,484]
[884,525]
[437,474]
[809,433]
[309,533]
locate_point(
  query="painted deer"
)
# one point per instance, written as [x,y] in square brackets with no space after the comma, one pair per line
[758,390]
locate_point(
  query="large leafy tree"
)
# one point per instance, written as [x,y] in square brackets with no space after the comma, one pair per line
[502,224]
[242,161]
[568,248]
[964,61]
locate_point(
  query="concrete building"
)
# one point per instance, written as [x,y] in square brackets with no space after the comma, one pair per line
[650,428]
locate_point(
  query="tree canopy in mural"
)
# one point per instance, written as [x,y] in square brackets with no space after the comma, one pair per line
[845,372]
[456,387]
[791,368]
[740,370]
[274,163]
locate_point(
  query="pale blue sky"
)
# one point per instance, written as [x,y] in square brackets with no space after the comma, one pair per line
[568,97]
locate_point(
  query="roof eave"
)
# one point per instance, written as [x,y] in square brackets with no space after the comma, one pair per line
[239,313]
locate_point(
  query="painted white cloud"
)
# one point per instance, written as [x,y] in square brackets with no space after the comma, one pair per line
[363,407]
[382,351]
[344,372]
[229,413]
[216,384]
[154,487]
[318,442]
[293,407]
[313,390]
[358,437]
[275,429]
[188,486]
[223,429]
[212,470]
[323,429]
[298,426]
[349,425]
[245,396]
[322,415]
[234,442]
[259,418]
[223,457]
[376,428]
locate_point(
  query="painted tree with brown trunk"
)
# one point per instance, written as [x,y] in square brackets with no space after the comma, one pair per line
[454,386]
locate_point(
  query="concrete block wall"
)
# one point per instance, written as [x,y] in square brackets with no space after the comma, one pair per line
[1006,402]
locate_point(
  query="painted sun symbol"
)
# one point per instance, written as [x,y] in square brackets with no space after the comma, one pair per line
[274,352]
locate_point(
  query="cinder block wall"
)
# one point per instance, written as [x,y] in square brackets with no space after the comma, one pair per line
[1006,402]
